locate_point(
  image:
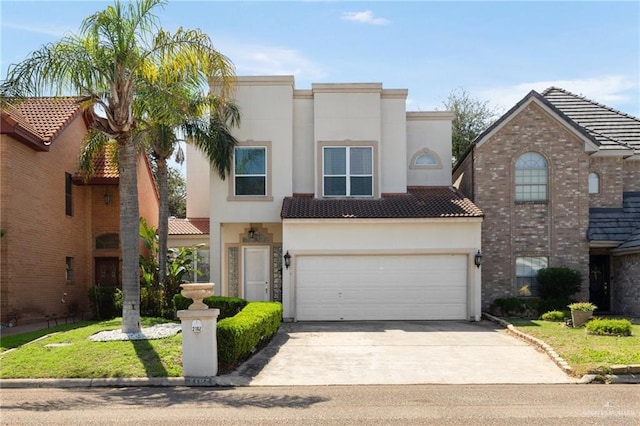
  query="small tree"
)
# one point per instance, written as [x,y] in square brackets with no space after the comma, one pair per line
[556,286]
[471,117]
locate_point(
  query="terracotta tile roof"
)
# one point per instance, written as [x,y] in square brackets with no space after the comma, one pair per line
[105,165]
[419,202]
[189,226]
[609,127]
[43,118]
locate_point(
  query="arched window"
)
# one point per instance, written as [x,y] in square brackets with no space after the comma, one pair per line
[425,159]
[108,241]
[594,183]
[531,177]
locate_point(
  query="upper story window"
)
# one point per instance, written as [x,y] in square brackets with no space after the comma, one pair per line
[594,183]
[68,201]
[425,159]
[347,171]
[250,171]
[531,177]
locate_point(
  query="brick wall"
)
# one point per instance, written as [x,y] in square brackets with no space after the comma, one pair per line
[555,229]
[626,293]
[631,175]
[611,176]
[39,235]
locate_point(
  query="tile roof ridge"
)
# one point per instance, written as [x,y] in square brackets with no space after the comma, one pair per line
[584,98]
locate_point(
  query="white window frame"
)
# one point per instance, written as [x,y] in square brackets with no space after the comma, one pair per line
[348,175]
[526,268]
[594,183]
[266,145]
[526,173]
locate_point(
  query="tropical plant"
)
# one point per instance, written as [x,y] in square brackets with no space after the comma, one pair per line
[118,52]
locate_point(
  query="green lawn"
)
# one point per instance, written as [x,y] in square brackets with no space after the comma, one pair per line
[67,353]
[585,353]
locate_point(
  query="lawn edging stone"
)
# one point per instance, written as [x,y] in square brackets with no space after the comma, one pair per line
[551,353]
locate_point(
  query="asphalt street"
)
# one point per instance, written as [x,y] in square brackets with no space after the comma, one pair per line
[558,404]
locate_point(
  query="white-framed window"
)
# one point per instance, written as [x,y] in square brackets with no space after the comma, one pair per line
[526,274]
[425,159]
[531,177]
[250,171]
[347,171]
[594,183]
[201,264]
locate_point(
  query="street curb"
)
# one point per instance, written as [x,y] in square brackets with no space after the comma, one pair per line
[122,382]
[622,373]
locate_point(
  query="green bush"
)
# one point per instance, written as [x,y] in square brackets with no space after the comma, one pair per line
[241,335]
[557,316]
[229,306]
[516,307]
[609,327]
[556,286]
[104,302]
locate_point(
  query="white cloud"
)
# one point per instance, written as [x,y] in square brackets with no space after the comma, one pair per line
[365,17]
[253,59]
[610,90]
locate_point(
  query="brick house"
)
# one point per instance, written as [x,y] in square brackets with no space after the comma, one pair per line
[558,177]
[60,234]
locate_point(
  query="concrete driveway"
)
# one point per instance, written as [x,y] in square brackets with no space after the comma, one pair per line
[397,352]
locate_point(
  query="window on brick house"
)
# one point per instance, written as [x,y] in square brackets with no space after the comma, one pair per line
[68,186]
[69,270]
[531,177]
[526,274]
[594,183]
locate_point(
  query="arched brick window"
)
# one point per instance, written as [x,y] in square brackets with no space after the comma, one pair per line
[532,177]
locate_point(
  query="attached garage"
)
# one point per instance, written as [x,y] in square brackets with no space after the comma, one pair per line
[403,257]
[382,287]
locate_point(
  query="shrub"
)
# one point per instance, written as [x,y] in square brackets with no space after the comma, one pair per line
[582,306]
[557,316]
[229,306]
[609,327]
[516,307]
[557,285]
[241,335]
[104,302]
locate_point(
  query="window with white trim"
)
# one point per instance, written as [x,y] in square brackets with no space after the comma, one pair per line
[526,274]
[347,171]
[594,183]
[250,171]
[531,177]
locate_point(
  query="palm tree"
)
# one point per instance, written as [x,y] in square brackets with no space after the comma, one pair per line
[176,106]
[118,51]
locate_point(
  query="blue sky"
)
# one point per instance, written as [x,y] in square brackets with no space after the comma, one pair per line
[496,51]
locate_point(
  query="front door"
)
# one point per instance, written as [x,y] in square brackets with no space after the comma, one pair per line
[599,282]
[107,272]
[256,273]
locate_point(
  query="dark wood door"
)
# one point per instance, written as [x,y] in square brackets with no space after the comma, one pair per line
[599,282]
[107,272]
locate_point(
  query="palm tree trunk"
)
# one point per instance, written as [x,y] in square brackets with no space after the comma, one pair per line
[129,234]
[163,226]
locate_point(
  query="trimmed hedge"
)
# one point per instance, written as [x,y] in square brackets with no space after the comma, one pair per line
[229,306]
[609,327]
[557,316]
[239,336]
[527,307]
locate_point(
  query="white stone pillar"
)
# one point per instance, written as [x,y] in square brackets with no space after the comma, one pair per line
[199,342]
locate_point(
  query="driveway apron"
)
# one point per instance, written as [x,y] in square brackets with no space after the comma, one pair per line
[397,352]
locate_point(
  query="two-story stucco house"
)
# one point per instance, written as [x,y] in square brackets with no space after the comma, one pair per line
[558,177]
[340,206]
[60,234]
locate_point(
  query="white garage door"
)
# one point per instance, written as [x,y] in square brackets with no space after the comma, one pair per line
[407,287]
